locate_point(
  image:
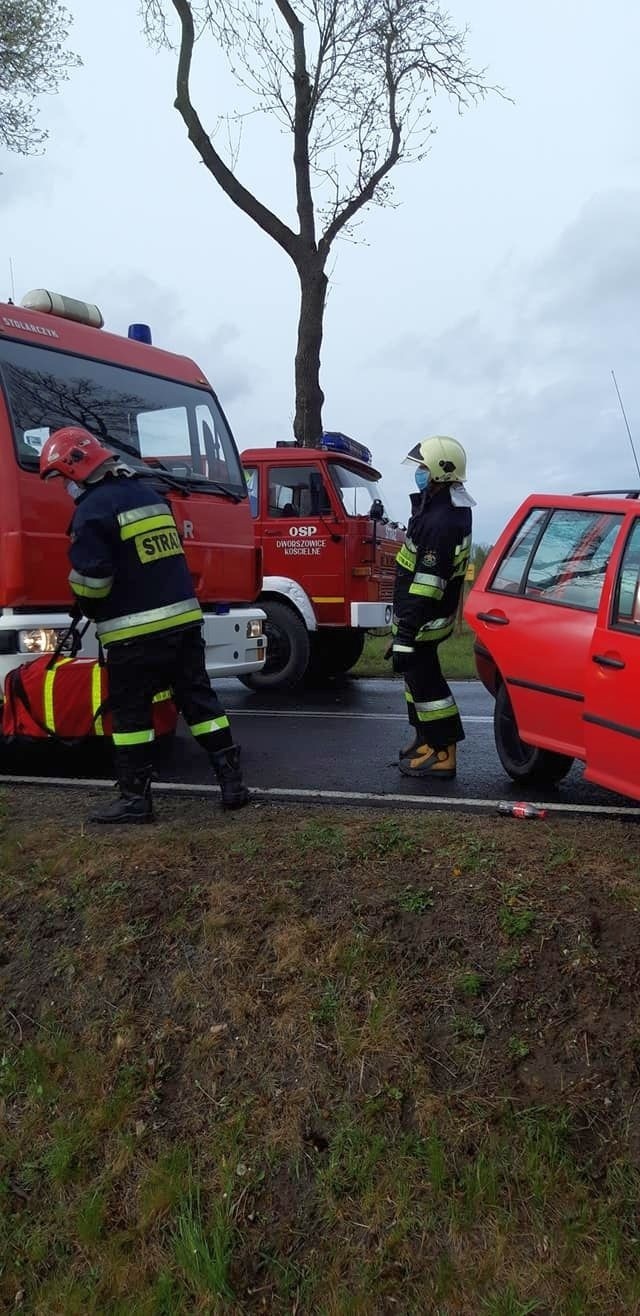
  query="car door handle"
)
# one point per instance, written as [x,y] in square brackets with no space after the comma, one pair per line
[603,660]
[494,618]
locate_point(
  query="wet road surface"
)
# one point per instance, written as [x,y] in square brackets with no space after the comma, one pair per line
[335,744]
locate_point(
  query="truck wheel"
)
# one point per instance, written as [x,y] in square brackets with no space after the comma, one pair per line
[287,650]
[525,763]
[334,652]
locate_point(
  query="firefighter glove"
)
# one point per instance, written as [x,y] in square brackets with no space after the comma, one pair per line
[402,654]
[75,611]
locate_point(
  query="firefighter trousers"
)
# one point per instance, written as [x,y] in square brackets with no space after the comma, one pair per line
[432,709]
[141,669]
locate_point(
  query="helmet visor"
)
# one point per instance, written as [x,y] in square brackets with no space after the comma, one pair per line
[414,457]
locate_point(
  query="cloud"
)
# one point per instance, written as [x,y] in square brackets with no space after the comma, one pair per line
[22,178]
[526,381]
[128,298]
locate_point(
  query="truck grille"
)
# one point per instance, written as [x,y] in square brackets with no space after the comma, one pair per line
[385,590]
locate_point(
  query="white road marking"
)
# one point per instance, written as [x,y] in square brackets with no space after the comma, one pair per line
[355,797]
[373,717]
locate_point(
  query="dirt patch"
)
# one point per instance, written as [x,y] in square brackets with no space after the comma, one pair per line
[302,1062]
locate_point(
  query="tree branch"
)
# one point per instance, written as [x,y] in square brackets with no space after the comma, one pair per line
[235,190]
[301,125]
[368,189]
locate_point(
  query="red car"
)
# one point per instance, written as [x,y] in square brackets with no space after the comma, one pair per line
[556,615]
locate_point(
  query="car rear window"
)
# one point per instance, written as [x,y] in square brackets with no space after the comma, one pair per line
[560,557]
[626,612]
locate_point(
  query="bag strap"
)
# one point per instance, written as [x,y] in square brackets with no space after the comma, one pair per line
[15,688]
[76,633]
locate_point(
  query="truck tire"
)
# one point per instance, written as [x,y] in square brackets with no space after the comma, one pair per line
[334,652]
[522,762]
[287,649]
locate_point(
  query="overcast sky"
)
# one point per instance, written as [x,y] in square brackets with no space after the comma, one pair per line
[491,303]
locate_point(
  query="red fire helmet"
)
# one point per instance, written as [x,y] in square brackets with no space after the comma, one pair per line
[73,453]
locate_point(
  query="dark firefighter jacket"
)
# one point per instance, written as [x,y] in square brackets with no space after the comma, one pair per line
[129,572]
[431,567]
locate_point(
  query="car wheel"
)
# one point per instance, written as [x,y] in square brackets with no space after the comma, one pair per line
[287,650]
[524,762]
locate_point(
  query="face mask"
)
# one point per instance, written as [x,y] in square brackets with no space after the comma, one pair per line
[422,478]
[74,490]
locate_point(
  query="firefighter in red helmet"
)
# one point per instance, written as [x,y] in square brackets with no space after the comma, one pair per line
[130,576]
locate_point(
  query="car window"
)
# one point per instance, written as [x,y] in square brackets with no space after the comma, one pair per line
[508,577]
[572,557]
[627,602]
[297,491]
[251,476]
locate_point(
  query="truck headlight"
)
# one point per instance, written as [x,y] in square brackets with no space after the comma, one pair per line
[254,630]
[42,639]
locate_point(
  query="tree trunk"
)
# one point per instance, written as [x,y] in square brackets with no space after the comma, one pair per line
[307,426]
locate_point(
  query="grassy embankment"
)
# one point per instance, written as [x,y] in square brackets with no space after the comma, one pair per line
[456,656]
[317,1063]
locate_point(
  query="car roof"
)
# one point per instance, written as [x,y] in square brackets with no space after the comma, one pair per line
[617,500]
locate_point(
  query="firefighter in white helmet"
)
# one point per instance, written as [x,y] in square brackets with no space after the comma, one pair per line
[431,568]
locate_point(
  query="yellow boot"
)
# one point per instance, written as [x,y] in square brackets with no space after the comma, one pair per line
[428,762]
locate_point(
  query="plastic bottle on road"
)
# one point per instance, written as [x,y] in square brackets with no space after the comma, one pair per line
[521,810]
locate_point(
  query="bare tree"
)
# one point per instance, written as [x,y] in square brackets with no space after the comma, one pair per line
[353,81]
[33,61]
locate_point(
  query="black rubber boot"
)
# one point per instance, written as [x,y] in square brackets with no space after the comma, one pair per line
[133,804]
[226,765]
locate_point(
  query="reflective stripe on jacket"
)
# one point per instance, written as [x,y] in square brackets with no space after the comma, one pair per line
[128,568]
[431,566]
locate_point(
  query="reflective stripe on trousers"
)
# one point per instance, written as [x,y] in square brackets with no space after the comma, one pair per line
[432,710]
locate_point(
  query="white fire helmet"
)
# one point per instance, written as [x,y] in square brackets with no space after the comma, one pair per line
[444,458]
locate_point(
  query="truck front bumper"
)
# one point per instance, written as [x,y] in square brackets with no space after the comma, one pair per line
[371,616]
[235,642]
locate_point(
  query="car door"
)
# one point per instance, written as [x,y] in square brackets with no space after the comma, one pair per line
[301,537]
[539,615]
[612,706]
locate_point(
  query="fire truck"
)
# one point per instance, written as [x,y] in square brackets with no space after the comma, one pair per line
[328,554]
[59,367]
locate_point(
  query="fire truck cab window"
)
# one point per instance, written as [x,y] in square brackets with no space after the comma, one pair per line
[179,425]
[297,492]
[357,491]
[251,476]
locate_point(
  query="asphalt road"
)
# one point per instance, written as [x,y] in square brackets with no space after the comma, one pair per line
[340,742]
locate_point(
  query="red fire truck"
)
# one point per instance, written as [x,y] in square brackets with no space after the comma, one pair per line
[328,556]
[58,367]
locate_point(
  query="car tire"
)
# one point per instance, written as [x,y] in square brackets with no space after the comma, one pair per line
[287,649]
[522,762]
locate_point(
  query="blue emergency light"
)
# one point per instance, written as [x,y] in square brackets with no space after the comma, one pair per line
[341,443]
[141,333]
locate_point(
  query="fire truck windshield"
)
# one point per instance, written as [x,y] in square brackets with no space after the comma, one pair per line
[356,491]
[178,425]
